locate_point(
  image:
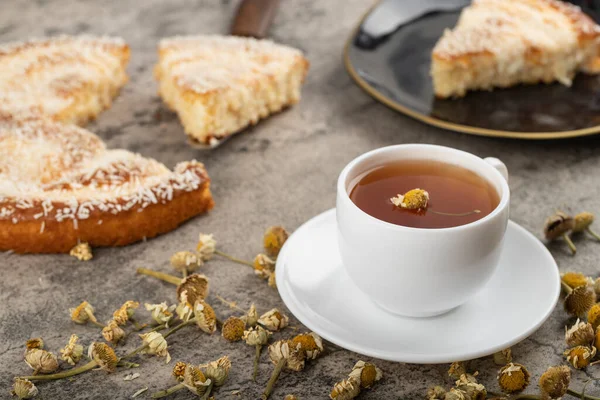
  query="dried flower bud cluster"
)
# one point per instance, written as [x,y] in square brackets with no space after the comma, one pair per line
[161,313]
[206,247]
[72,352]
[24,389]
[273,320]
[415,199]
[156,345]
[363,376]
[233,329]
[104,356]
[185,261]
[554,382]
[513,378]
[82,252]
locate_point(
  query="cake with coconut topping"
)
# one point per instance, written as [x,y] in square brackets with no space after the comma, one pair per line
[218,85]
[68,78]
[501,43]
[59,186]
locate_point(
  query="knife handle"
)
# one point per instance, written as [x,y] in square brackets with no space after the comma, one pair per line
[254,17]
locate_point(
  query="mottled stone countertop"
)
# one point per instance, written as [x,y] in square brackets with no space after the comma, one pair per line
[280,172]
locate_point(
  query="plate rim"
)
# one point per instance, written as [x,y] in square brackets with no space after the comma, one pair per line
[413,358]
[451,126]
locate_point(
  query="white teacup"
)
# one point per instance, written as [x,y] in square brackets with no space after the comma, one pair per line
[420,272]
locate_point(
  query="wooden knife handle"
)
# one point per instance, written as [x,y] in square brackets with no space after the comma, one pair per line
[254,17]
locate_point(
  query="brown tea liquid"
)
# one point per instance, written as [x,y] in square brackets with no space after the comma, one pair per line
[452,189]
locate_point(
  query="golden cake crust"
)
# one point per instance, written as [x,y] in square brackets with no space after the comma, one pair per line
[72,189]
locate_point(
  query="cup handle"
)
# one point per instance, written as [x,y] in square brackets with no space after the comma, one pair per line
[499,165]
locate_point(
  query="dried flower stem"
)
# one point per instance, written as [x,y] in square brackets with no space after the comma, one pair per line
[127,364]
[166,335]
[137,325]
[591,232]
[538,397]
[64,374]
[158,328]
[274,376]
[166,392]
[466,214]
[256,359]
[208,390]
[230,304]
[98,324]
[234,259]
[570,243]
[159,275]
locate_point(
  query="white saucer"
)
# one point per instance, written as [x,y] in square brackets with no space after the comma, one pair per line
[316,289]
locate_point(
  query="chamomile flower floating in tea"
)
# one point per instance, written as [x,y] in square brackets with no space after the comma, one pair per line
[555,382]
[559,225]
[581,356]
[513,378]
[24,389]
[415,199]
[583,221]
[580,334]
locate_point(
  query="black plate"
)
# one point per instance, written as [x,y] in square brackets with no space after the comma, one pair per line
[394,69]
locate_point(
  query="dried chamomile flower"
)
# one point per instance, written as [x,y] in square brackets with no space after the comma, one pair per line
[559,225]
[41,361]
[24,389]
[273,239]
[206,319]
[161,313]
[581,356]
[273,320]
[593,316]
[83,313]
[72,352]
[35,343]
[415,199]
[597,286]
[457,369]
[503,357]
[456,394]
[272,282]
[574,279]
[366,374]
[256,336]
[112,332]
[597,338]
[345,390]
[312,345]
[206,247]
[513,378]
[157,345]
[195,381]
[185,261]
[218,371]
[436,393]
[194,287]
[126,311]
[583,221]
[473,389]
[555,382]
[290,397]
[251,317]
[82,252]
[580,334]
[264,266]
[184,309]
[104,356]
[580,300]
[179,370]
[233,329]
[285,350]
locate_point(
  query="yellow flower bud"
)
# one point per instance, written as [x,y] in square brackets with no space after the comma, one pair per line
[415,199]
[581,356]
[513,378]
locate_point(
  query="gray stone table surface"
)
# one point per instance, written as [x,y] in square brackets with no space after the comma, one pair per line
[280,172]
